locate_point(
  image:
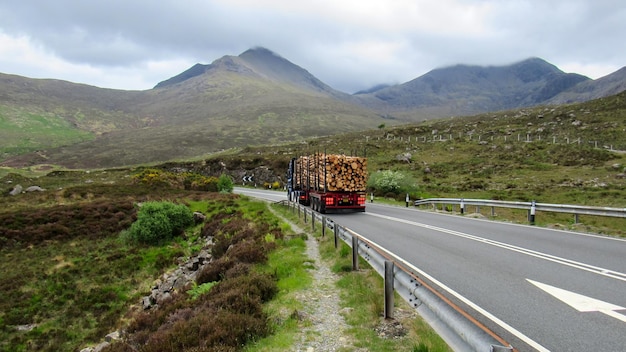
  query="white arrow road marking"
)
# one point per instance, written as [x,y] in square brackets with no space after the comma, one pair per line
[582,303]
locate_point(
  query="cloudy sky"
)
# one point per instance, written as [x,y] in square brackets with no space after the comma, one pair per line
[348,44]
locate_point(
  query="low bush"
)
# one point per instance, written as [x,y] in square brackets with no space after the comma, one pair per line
[158,222]
[225,184]
[391,182]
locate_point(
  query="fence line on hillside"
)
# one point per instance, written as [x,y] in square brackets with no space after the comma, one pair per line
[522,138]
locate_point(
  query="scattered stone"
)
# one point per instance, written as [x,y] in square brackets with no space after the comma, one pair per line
[298,315]
[34,189]
[406,157]
[198,217]
[27,327]
[178,279]
[115,335]
[16,190]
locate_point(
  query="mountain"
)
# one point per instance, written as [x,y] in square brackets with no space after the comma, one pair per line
[264,63]
[593,89]
[255,98]
[464,90]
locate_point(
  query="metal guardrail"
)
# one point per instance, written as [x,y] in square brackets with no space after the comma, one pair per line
[461,331]
[532,207]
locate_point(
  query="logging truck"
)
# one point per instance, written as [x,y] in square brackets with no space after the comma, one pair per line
[328,182]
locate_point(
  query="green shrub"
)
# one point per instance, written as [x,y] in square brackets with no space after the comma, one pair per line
[394,182]
[158,222]
[225,184]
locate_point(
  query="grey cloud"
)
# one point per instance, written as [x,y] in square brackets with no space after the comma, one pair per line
[117,33]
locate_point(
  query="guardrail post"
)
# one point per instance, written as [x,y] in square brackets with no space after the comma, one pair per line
[576,219]
[336,231]
[298,211]
[532,212]
[323,226]
[304,215]
[312,220]
[355,253]
[388,289]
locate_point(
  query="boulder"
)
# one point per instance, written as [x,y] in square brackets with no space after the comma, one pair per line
[198,217]
[16,190]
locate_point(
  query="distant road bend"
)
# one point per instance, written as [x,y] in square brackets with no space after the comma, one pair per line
[540,289]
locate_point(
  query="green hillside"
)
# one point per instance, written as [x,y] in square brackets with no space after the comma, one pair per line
[24,131]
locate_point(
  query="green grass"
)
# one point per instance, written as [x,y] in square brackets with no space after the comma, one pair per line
[289,265]
[363,292]
[22,131]
[75,291]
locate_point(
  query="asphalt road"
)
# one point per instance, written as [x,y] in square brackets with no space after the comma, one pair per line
[540,289]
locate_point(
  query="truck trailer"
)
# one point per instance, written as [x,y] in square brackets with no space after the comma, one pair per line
[328,181]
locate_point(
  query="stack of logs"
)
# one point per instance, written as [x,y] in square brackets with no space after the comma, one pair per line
[343,173]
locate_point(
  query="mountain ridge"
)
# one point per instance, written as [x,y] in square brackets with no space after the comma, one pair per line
[255,98]
[465,89]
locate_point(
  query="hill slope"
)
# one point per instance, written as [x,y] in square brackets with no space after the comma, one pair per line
[589,90]
[256,98]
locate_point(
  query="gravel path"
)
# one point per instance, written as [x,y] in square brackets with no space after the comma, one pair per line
[324,328]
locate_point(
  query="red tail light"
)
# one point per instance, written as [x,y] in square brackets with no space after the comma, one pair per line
[329,201]
[361,200]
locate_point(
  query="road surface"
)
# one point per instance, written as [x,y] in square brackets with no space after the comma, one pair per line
[540,289]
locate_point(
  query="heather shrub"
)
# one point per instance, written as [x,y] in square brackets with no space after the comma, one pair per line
[214,271]
[258,285]
[63,222]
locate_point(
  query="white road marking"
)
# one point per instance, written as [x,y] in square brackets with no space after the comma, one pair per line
[568,262]
[534,344]
[581,303]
